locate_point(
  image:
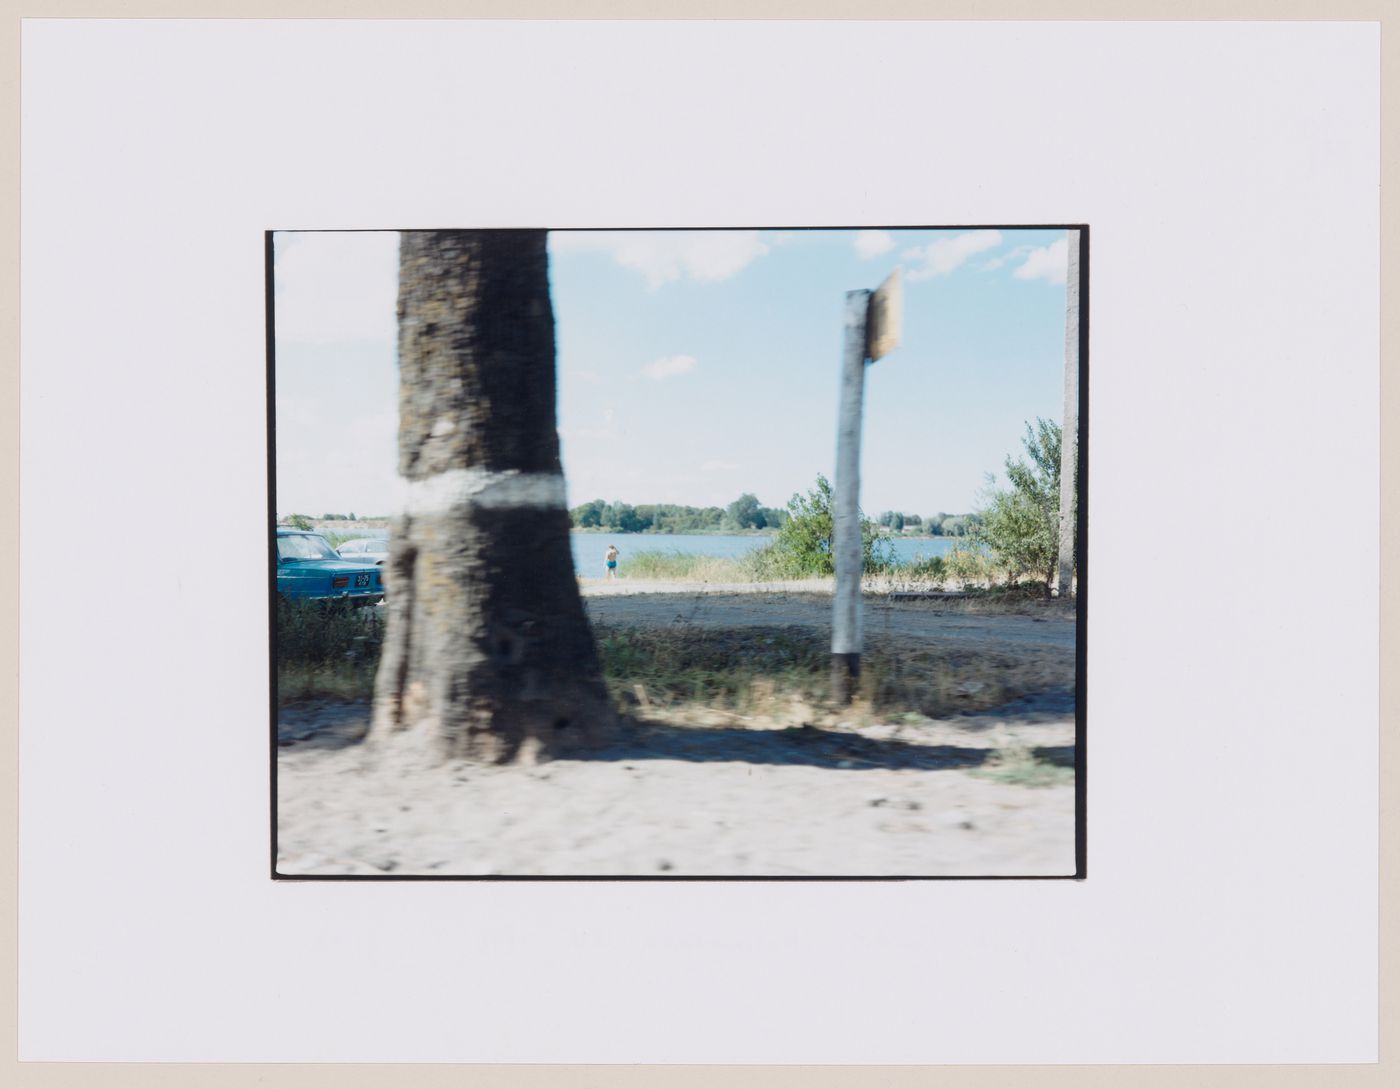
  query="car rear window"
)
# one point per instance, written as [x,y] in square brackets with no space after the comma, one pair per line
[303,546]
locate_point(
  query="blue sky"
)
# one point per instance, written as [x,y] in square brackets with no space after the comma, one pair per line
[694,366]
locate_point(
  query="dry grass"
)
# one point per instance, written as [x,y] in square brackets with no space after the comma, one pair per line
[777,672]
[1014,601]
[770,674]
[783,672]
[684,567]
[338,681]
[925,575]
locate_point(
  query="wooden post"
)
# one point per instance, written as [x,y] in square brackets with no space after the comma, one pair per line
[1069,439]
[846,636]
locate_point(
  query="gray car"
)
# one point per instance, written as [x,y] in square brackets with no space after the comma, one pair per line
[373,550]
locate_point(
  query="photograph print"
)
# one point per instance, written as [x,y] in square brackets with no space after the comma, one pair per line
[664,554]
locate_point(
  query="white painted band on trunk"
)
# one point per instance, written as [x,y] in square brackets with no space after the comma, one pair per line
[458,488]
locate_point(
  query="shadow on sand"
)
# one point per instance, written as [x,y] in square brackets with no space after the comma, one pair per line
[806,745]
[322,724]
[330,726]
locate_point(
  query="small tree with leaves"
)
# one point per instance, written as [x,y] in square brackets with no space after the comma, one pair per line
[803,543]
[1021,526]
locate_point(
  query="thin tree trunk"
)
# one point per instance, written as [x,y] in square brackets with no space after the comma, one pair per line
[488,655]
[1069,437]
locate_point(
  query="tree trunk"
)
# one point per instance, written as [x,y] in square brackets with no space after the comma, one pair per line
[1069,436]
[488,655]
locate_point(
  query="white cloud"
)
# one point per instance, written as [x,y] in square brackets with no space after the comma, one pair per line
[669,366]
[335,286]
[1005,258]
[1047,263]
[873,243]
[664,256]
[716,466]
[943,255]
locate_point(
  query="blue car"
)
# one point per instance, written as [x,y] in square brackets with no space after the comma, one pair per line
[308,569]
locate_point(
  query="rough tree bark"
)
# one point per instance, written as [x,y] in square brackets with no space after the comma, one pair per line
[488,655]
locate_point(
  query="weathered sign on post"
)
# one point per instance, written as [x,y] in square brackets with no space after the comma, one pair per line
[886,316]
[873,323]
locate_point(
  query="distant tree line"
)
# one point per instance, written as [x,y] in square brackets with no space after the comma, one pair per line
[745,513]
[305,521]
[935,525]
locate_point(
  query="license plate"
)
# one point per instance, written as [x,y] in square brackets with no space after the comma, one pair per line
[361,581]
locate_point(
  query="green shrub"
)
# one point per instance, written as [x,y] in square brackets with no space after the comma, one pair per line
[1021,526]
[968,564]
[802,547]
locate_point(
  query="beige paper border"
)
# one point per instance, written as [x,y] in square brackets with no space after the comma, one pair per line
[373,1076]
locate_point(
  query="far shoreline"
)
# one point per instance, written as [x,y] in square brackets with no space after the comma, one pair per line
[364,525]
[595,531]
[744,533]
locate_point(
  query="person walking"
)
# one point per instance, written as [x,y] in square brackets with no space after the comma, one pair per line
[611,558]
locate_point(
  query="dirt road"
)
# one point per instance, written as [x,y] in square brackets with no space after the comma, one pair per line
[1041,625]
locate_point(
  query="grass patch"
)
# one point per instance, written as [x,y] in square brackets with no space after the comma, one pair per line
[327,649]
[684,567]
[340,681]
[897,676]
[966,572]
[776,671]
[1020,765]
[1025,599]
[769,564]
[723,668]
[760,669]
[919,569]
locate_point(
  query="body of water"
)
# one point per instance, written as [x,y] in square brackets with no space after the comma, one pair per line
[588,548]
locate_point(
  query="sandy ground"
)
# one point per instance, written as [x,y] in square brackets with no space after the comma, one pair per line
[714,795]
